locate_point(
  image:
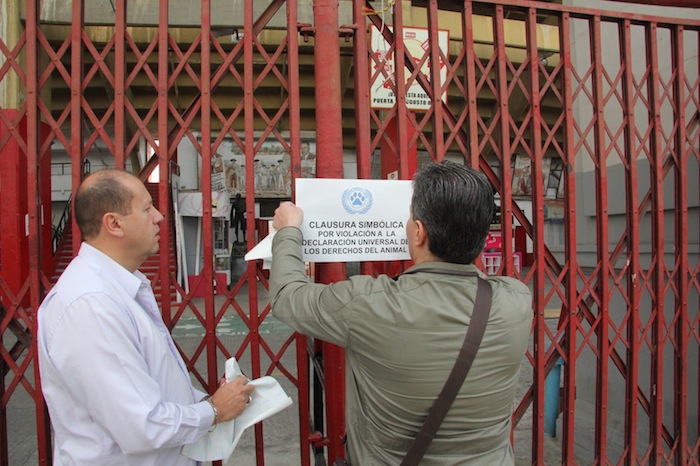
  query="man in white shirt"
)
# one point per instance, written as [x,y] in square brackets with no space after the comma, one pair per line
[117,389]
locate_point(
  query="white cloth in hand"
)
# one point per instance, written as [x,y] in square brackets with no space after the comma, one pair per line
[267,399]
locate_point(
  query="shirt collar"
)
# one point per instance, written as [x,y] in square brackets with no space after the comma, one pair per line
[130,282]
[445,265]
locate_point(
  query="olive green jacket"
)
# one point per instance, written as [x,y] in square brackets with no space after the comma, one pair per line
[401,338]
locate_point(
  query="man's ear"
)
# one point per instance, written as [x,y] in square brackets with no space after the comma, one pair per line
[112,224]
[420,237]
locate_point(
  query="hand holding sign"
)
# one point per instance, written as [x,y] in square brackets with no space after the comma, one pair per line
[287,215]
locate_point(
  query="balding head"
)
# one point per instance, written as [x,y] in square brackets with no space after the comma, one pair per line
[102,192]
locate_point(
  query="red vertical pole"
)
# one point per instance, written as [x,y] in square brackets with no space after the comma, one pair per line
[539,295]
[362,106]
[401,111]
[249,33]
[681,222]
[34,215]
[602,242]
[657,249]
[14,268]
[390,163]
[571,250]
[294,132]
[329,164]
[163,154]
[396,155]
[76,113]
[5,218]
[633,289]
[390,159]
[504,145]
[13,209]
[435,82]
[120,83]
[47,259]
[207,231]
[472,158]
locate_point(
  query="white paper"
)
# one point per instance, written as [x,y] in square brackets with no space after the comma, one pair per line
[267,399]
[262,250]
[349,220]
[354,220]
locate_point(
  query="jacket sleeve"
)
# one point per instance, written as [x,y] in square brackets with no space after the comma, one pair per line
[317,310]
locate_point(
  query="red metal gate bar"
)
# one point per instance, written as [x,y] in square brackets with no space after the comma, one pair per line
[249,35]
[435,81]
[329,164]
[206,187]
[680,404]
[658,270]
[302,364]
[633,289]
[161,152]
[470,59]
[569,318]
[119,69]
[536,155]
[76,114]
[400,93]
[603,256]
[362,102]
[34,228]
[504,151]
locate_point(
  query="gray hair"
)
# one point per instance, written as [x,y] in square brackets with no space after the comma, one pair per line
[455,204]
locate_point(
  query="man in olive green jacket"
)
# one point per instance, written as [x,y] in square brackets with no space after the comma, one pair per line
[402,336]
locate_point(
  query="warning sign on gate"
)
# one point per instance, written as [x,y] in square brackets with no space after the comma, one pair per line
[349,220]
[383,68]
[354,220]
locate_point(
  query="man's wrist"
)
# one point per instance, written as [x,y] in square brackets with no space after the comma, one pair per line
[216,412]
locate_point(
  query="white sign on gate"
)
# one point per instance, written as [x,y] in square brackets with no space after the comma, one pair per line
[382,83]
[348,221]
[354,220]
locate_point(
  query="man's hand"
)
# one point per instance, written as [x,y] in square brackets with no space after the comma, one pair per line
[231,398]
[287,215]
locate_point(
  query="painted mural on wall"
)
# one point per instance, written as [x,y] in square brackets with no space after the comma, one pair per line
[551,177]
[272,168]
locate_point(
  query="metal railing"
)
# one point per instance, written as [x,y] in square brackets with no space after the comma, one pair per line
[60,228]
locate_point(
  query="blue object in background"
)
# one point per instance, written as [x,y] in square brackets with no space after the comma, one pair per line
[551,399]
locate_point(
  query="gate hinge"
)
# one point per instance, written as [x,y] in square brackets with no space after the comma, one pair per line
[347,31]
[306,30]
[318,440]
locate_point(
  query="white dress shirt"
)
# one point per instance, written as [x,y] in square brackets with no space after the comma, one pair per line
[117,390]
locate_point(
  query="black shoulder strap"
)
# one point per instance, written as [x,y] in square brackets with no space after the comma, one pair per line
[480,315]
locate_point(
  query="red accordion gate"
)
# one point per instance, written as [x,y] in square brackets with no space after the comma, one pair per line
[609,244]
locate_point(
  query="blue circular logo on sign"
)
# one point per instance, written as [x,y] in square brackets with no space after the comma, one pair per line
[357,200]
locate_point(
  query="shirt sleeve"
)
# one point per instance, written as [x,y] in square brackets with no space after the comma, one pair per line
[99,347]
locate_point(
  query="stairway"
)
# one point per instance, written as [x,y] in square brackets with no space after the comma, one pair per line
[150,267]
[63,254]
